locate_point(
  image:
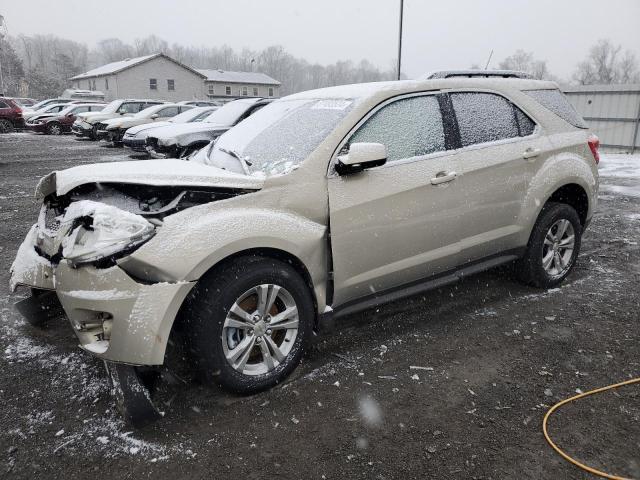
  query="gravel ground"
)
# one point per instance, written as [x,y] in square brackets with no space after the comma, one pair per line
[451,384]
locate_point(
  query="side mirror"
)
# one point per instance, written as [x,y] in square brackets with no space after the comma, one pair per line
[360,157]
[154,116]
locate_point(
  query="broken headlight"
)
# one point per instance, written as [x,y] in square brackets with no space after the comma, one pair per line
[97,231]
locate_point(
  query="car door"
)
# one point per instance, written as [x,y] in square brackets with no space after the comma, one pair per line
[396,223]
[497,139]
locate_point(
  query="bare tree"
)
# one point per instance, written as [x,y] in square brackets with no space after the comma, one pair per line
[606,64]
[525,62]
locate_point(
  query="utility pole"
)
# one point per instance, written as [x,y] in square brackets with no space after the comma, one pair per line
[400,38]
[2,27]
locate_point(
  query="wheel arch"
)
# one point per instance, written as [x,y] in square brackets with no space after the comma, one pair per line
[573,195]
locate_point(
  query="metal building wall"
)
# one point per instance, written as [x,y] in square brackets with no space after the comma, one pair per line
[612,112]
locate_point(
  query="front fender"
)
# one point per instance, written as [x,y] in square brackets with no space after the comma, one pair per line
[192,242]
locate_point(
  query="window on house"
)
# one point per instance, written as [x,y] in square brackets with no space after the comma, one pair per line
[153,83]
[106,84]
[211,89]
[271,91]
[171,85]
[227,90]
[93,85]
[255,91]
[244,91]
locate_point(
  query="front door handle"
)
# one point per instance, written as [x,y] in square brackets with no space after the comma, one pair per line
[531,153]
[443,177]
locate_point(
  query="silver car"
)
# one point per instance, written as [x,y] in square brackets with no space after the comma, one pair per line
[321,204]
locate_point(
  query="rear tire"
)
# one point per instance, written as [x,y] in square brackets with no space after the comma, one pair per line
[6,126]
[553,247]
[244,345]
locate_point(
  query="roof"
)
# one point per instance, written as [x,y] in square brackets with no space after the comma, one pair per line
[237,77]
[387,88]
[476,73]
[630,88]
[115,67]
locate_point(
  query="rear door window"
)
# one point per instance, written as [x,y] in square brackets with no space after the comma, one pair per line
[3,105]
[409,127]
[555,101]
[487,117]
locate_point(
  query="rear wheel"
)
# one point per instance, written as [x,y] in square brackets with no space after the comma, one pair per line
[54,128]
[553,247]
[249,323]
[6,126]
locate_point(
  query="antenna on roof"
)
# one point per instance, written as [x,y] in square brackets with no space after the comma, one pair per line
[489,60]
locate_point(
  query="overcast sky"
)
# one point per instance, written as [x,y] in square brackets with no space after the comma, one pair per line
[437,34]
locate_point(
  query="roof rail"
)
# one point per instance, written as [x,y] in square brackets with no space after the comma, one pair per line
[477,74]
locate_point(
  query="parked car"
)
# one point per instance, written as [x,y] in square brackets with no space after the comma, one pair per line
[25,102]
[113,130]
[10,115]
[178,141]
[51,109]
[135,137]
[321,204]
[49,101]
[200,103]
[60,122]
[86,123]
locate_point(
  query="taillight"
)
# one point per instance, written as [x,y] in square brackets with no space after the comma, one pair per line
[17,110]
[594,145]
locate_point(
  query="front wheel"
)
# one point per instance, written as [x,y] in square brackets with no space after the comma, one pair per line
[54,129]
[553,247]
[249,323]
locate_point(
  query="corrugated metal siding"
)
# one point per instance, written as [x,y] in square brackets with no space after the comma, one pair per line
[612,112]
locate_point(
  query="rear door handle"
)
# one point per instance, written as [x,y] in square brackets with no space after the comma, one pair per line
[443,177]
[531,153]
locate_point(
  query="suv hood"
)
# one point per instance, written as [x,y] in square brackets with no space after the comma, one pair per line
[146,127]
[92,118]
[170,172]
[178,134]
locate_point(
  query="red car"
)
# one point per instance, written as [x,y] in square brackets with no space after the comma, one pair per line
[10,115]
[60,122]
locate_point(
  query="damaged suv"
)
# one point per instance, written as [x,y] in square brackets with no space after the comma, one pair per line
[321,204]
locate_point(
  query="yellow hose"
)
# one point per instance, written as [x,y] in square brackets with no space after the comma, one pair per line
[564,455]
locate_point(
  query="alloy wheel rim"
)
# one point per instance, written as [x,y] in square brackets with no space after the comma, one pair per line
[55,129]
[557,249]
[260,329]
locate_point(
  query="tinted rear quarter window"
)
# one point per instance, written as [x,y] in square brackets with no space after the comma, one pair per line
[483,117]
[3,105]
[555,101]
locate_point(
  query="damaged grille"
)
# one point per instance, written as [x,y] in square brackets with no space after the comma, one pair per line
[51,219]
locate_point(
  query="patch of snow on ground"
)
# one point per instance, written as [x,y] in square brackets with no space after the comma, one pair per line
[619,166]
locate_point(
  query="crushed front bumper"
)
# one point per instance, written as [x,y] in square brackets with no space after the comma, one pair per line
[135,144]
[118,319]
[83,130]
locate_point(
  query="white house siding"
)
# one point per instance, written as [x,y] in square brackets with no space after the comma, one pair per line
[219,90]
[134,82]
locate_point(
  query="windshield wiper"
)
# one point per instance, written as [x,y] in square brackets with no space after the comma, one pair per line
[243,161]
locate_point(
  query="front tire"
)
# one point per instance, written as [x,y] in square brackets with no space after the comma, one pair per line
[54,128]
[249,323]
[553,247]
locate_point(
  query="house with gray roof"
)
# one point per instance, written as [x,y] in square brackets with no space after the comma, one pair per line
[161,77]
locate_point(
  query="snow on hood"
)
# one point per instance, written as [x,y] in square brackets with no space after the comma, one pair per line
[169,172]
[147,126]
[171,134]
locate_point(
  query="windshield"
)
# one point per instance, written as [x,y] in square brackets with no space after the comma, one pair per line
[112,107]
[230,113]
[278,137]
[192,115]
[148,111]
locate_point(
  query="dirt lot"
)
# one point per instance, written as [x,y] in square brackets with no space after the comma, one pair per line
[492,356]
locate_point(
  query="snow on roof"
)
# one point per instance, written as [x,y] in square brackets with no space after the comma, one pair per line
[114,67]
[237,77]
[628,88]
